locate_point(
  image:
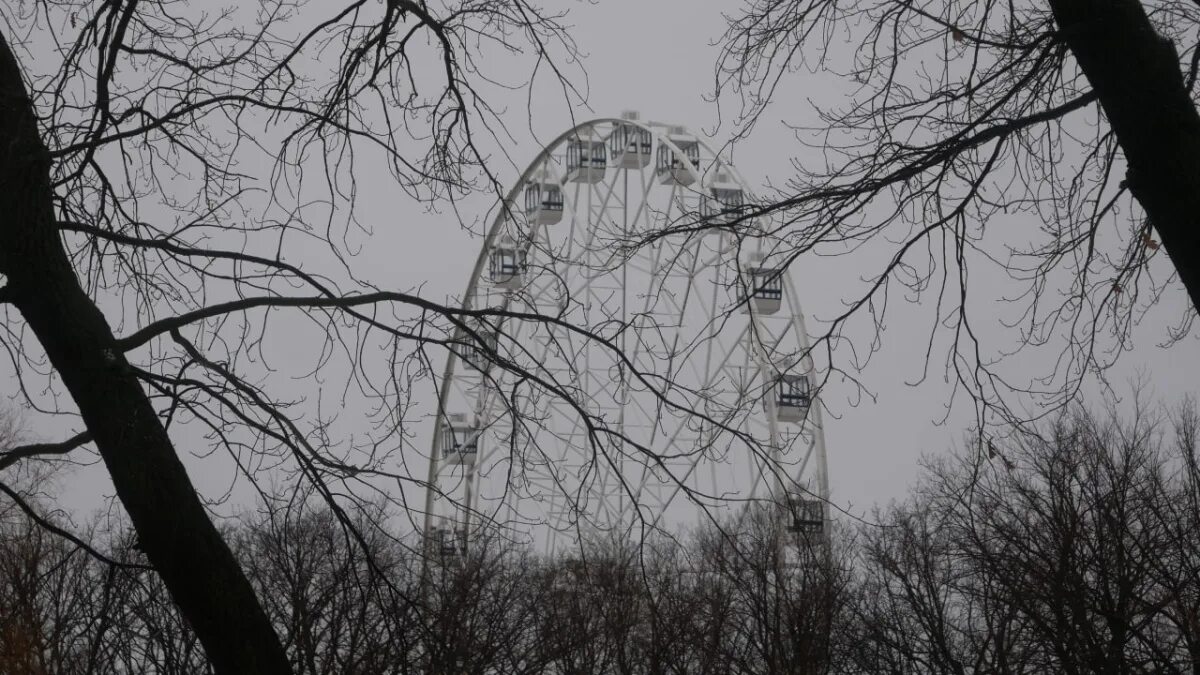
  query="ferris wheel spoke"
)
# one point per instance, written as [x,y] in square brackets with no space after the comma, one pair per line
[713,375]
[656,253]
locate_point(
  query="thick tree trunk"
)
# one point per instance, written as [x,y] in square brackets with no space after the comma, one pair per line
[1136,74]
[174,530]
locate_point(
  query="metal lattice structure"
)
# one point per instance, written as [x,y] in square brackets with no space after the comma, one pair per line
[674,384]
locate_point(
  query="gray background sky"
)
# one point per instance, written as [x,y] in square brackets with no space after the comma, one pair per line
[657,57]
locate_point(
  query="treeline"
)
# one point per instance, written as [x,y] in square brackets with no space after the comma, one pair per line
[1074,551]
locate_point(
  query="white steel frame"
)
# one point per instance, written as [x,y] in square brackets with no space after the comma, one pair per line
[727,374]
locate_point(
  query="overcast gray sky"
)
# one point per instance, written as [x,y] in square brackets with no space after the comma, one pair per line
[657,57]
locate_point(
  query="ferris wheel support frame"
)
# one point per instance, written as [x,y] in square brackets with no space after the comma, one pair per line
[509,208]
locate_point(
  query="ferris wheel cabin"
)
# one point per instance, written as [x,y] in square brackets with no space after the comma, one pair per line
[724,201]
[805,515]
[543,201]
[792,398]
[678,167]
[447,540]
[459,440]
[507,263]
[587,159]
[763,286]
[629,146]
[477,343]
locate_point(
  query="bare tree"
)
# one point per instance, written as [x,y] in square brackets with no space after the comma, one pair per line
[340,605]
[1176,563]
[782,602]
[181,191]
[1070,556]
[1071,551]
[67,608]
[1048,143]
[576,629]
[163,168]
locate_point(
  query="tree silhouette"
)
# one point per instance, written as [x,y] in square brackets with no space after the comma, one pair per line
[1045,148]
[166,172]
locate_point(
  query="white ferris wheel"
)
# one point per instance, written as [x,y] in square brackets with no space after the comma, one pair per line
[671,387]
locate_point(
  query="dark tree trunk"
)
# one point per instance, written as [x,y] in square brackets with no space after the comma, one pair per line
[1135,72]
[174,530]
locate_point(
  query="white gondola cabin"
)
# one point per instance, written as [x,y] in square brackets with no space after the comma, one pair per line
[459,440]
[679,167]
[586,160]
[724,202]
[507,263]
[478,345]
[543,202]
[763,288]
[629,146]
[805,515]
[447,540]
[792,397]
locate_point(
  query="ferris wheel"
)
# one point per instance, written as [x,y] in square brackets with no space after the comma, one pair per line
[644,365]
